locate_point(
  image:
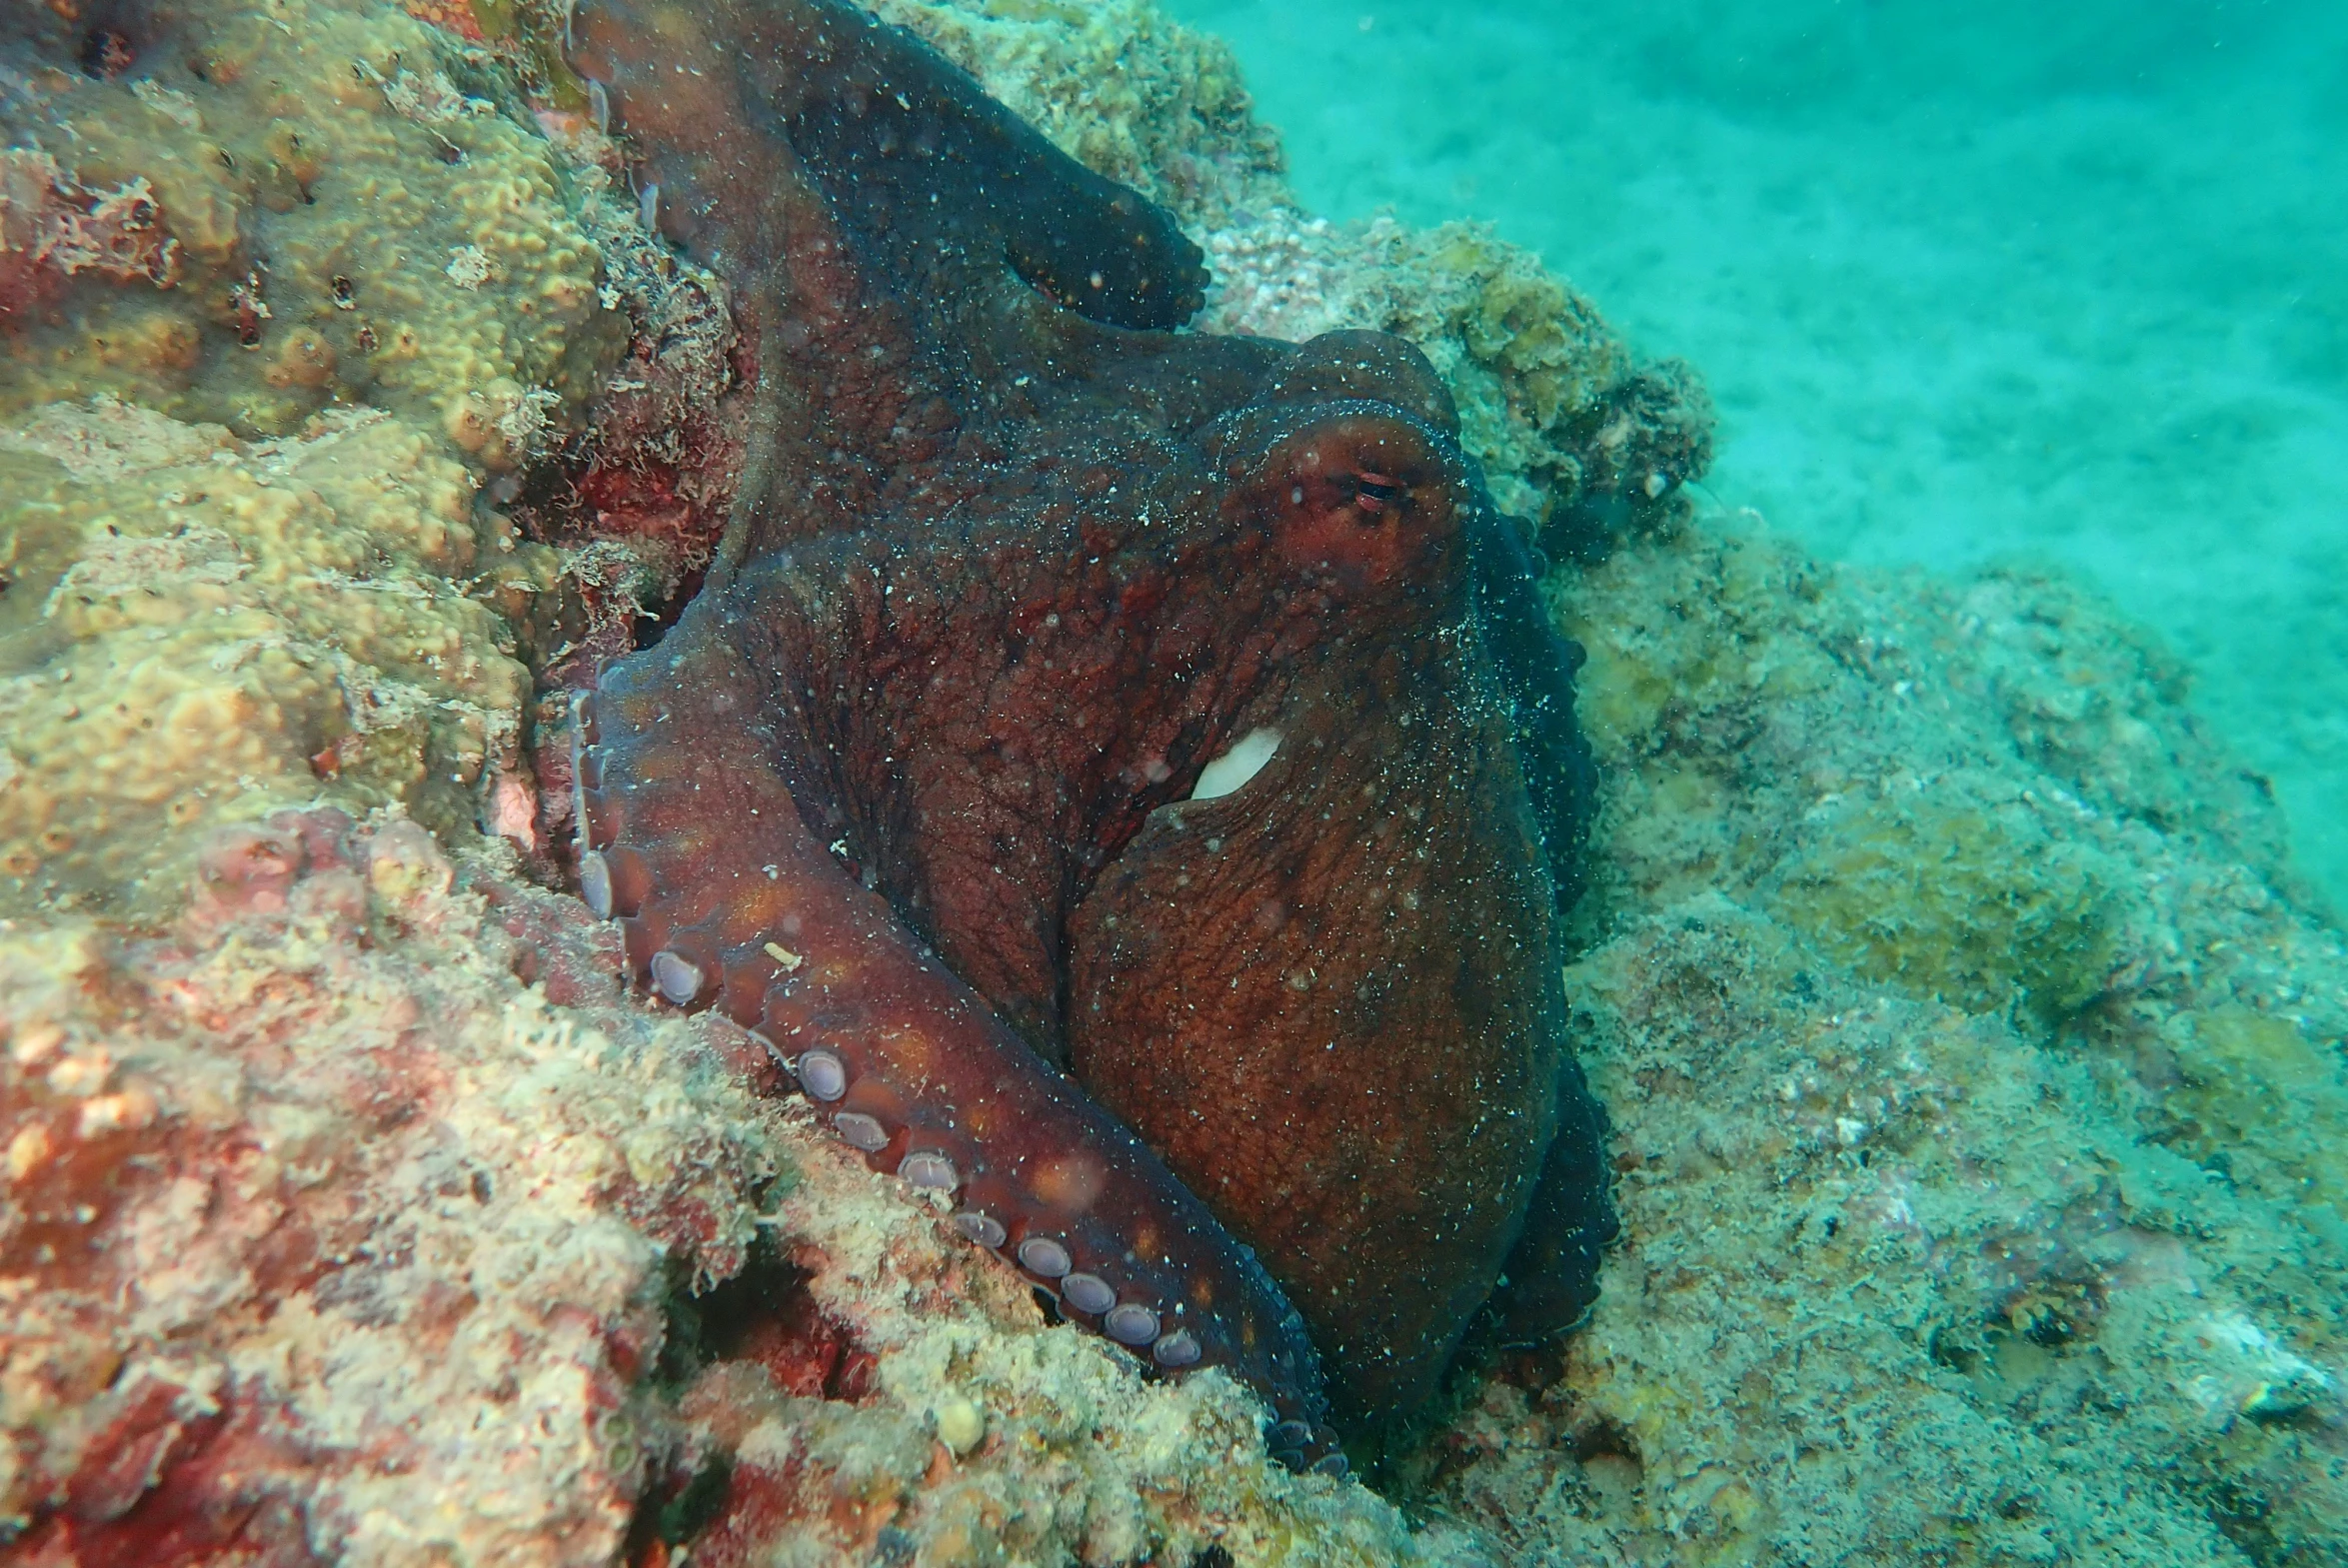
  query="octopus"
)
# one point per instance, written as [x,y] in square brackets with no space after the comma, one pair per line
[1127,775]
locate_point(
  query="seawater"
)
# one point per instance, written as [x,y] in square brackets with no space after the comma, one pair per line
[2062,283]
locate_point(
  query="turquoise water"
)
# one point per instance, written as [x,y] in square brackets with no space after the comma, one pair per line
[1969,283]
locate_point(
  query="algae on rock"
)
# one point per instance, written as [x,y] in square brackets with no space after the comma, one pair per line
[328,1231]
[1959,889]
[325,1232]
[1899,1287]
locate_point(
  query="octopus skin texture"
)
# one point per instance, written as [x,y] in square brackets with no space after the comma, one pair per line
[1129,775]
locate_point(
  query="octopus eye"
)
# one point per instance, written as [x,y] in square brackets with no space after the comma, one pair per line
[1375,493]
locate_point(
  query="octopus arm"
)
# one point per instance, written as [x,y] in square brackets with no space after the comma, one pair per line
[691,840]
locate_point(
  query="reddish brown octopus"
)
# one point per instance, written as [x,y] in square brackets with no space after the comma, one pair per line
[1127,775]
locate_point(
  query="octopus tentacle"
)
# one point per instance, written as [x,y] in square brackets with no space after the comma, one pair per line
[689,838]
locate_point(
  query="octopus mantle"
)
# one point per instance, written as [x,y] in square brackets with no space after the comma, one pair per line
[1127,776]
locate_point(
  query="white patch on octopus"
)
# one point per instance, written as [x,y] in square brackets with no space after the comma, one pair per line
[1229,772]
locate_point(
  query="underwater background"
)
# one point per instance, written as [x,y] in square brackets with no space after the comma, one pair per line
[1976,1068]
[1967,282]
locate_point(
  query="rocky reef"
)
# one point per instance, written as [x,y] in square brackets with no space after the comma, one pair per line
[1941,960]
[357,1216]
[1977,1074]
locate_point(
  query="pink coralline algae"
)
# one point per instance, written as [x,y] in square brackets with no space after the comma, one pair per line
[327,1239]
[52,229]
[358,1218]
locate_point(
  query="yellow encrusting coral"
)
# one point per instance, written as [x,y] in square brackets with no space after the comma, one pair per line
[345,225]
[199,630]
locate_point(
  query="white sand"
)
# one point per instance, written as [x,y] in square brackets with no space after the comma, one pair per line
[1995,281]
